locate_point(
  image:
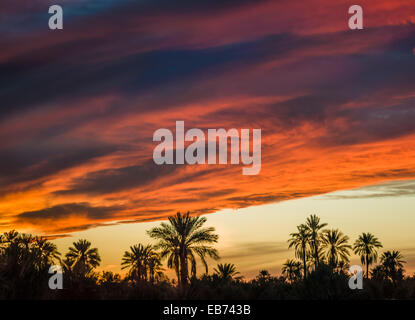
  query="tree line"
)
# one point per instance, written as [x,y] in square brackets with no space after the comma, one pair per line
[314,245]
[319,270]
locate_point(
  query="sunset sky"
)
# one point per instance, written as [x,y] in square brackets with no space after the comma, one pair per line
[79,106]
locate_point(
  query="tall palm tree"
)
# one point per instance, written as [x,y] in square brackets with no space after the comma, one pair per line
[392,262]
[291,269]
[366,246]
[336,247]
[227,271]
[183,238]
[314,226]
[299,240]
[81,258]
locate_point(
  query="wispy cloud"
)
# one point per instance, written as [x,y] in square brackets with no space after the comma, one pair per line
[389,189]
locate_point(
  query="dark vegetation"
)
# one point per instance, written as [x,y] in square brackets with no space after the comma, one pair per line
[320,270]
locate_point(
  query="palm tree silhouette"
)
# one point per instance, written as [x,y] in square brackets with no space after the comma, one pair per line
[155,268]
[181,240]
[227,271]
[365,246]
[299,240]
[291,269]
[46,251]
[81,258]
[314,227]
[392,262]
[392,259]
[27,252]
[136,261]
[8,237]
[336,247]
[263,277]
[143,262]
[24,263]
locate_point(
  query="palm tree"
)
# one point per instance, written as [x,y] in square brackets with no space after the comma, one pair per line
[263,276]
[183,238]
[227,271]
[392,259]
[299,240]
[24,264]
[366,246]
[27,251]
[154,267]
[336,247]
[81,258]
[313,225]
[392,262]
[291,269]
[136,261]
[8,237]
[379,273]
[46,252]
[143,262]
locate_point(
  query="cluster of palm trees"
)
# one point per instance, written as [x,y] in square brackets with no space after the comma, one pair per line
[183,241]
[390,267]
[24,254]
[24,262]
[143,262]
[180,241]
[314,245]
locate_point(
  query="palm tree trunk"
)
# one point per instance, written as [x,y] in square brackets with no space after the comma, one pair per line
[305,264]
[332,259]
[151,275]
[183,268]
[317,262]
[367,267]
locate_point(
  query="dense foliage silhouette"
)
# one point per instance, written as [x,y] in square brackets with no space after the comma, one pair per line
[321,271]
